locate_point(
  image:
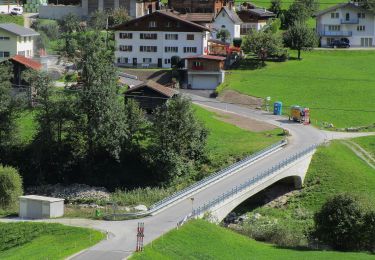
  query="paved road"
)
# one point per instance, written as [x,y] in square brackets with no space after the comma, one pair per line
[122,234]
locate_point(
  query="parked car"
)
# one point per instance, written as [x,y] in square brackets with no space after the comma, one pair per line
[340,44]
[16,10]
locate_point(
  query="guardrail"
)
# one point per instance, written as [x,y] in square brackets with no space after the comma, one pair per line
[237,189]
[204,182]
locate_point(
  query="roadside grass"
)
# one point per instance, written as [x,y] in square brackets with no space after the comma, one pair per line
[228,143]
[199,239]
[367,143]
[325,81]
[25,240]
[17,19]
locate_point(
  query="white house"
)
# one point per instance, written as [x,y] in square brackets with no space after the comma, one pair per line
[16,39]
[346,21]
[152,40]
[227,19]
[253,18]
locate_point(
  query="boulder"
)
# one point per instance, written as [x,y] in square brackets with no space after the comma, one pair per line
[141,208]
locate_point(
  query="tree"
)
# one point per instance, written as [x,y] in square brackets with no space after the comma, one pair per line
[368,231]
[118,16]
[176,62]
[263,44]
[10,187]
[300,10]
[300,37]
[7,107]
[98,20]
[276,7]
[137,124]
[69,26]
[179,139]
[223,35]
[339,223]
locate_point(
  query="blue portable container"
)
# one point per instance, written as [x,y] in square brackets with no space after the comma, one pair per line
[277,108]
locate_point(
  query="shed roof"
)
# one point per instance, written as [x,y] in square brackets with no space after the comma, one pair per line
[206,57]
[29,63]
[40,198]
[231,14]
[168,92]
[18,30]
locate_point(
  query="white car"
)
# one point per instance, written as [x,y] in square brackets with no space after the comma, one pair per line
[17,10]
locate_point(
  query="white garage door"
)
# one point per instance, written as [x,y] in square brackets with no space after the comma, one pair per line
[204,82]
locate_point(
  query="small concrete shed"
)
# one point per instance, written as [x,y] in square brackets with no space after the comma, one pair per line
[34,206]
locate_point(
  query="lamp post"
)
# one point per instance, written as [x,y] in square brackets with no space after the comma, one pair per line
[192,204]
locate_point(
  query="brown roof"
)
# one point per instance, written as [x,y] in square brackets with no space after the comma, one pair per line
[198,17]
[168,92]
[32,64]
[206,57]
[332,8]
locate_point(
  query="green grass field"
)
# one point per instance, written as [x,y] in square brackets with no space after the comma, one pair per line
[17,19]
[331,83]
[367,143]
[201,240]
[44,241]
[228,143]
[323,4]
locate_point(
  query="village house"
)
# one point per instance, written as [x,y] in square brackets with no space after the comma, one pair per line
[199,6]
[16,40]
[205,71]
[347,22]
[152,40]
[227,19]
[253,19]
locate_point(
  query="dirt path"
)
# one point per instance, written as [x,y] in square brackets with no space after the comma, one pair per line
[360,152]
[241,121]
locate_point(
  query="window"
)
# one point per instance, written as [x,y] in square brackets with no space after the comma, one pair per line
[30,38]
[333,27]
[330,40]
[197,65]
[147,60]
[170,49]
[4,38]
[126,36]
[334,15]
[25,39]
[361,15]
[152,24]
[223,26]
[148,49]
[361,28]
[148,36]
[190,49]
[4,54]
[21,53]
[190,37]
[170,36]
[167,61]
[168,24]
[123,60]
[127,48]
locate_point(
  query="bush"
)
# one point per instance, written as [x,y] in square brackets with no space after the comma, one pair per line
[368,231]
[339,223]
[10,186]
[237,42]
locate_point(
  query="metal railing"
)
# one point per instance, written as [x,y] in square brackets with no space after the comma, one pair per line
[336,33]
[237,189]
[349,21]
[215,177]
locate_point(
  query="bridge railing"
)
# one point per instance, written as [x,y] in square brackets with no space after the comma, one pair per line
[237,189]
[215,177]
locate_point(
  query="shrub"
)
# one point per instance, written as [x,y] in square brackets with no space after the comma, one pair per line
[339,222]
[237,42]
[368,231]
[10,186]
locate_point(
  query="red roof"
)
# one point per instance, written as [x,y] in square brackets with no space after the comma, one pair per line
[206,57]
[32,64]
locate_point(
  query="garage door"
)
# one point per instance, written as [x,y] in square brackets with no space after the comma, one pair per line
[204,82]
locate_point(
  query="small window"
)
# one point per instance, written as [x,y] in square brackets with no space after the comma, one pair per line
[361,28]
[167,61]
[361,15]
[148,36]
[190,49]
[170,36]
[125,48]
[190,37]
[126,36]
[152,24]
[147,60]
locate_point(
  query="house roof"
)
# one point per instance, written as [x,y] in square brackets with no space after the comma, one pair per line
[18,30]
[247,15]
[168,92]
[332,8]
[206,57]
[166,13]
[198,17]
[231,14]
[29,63]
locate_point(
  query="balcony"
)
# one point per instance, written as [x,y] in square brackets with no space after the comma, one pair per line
[350,21]
[336,33]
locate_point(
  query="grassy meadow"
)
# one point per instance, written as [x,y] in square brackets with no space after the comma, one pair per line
[24,240]
[285,3]
[202,240]
[332,83]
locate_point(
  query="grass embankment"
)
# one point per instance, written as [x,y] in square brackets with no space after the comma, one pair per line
[44,241]
[201,240]
[17,19]
[367,143]
[325,81]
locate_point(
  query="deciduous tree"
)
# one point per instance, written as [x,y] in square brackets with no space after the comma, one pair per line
[299,37]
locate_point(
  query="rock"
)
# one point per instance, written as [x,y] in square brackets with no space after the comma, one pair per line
[141,208]
[257,216]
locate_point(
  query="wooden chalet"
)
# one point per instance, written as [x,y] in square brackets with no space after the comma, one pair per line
[199,6]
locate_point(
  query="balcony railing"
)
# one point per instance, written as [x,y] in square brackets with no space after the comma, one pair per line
[336,33]
[350,21]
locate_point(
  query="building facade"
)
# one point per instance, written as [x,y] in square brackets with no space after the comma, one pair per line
[152,40]
[199,6]
[227,19]
[16,40]
[253,19]
[347,22]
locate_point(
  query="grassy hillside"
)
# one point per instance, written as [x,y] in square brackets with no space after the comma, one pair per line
[201,240]
[227,142]
[367,143]
[331,83]
[323,4]
[44,241]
